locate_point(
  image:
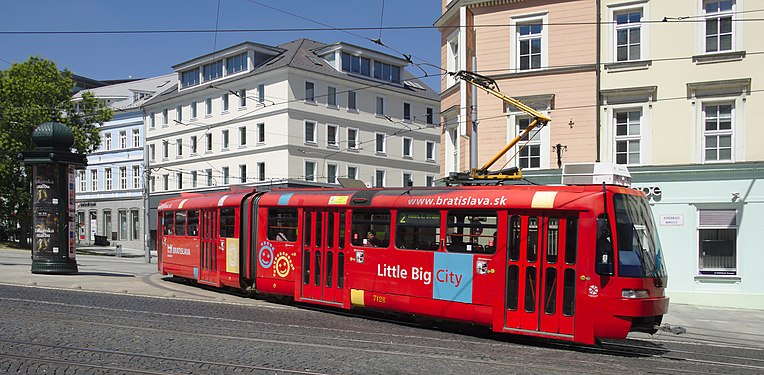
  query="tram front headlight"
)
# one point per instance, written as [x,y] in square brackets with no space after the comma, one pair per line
[635,293]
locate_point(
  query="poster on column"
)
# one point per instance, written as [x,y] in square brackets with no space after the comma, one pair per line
[44,206]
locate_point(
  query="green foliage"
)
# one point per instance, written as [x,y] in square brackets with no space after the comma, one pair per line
[32,93]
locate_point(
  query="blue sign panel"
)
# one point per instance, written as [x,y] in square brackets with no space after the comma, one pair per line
[452,277]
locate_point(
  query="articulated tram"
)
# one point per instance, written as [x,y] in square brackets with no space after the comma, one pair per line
[575,263]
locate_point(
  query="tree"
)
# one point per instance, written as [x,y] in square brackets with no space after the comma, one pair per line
[32,93]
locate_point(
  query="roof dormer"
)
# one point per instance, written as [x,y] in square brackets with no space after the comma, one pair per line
[232,61]
[360,61]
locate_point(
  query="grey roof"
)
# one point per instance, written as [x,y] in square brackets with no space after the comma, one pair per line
[125,93]
[300,54]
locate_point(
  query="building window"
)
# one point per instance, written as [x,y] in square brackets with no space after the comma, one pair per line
[224,100]
[719,27]
[430,181]
[209,141]
[717,132]
[153,183]
[430,116]
[193,145]
[136,138]
[353,172]
[352,139]
[135,225]
[331,97]
[194,179]
[430,149]
[152,120]
[387,72]
[310,132]
[107,178]
[352,101]
[310,170]
[166,182]
[237,63]
[356,64]
[242,98]
[261,171]
[123,139]
[107,141]
[380,142]
[261,133]
[453,63]
[243,173]
[152,152]
[717,237]
[179,180]
[243,135]
[165,117]
[627,137]
[179,114]
[165,149]
[226,176]
[136,177]
[407,180]
[407,111]
[208,172]
[123,178]
[310,92]
[261,93]
[529,39]
[208,106]
[530,155]
[379,178]
[213,70]
[407,147]
[83,180]
[225,139]
[380,106]
[189,78]
[331,173]
[179,147]
[628,35]
[331,135]
[193,110]
[107,225]
[93,180]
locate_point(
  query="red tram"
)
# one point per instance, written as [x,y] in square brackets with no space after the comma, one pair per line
[576,263]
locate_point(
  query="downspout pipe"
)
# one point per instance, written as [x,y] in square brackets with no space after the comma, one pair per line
[598,75]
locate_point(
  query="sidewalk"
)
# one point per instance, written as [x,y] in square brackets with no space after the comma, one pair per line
[727,327]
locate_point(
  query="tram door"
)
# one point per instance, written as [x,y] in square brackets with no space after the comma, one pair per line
[323,255]
[208,226]
[540,288]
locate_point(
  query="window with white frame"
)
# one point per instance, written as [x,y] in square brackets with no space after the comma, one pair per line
[243,173]
[379,178]
[123,178]
[136,177]
[529,38]
[179,180]
[135,226]
[380,142]
[224,100]
[152,152]
[208,172]
[123,139]
[165,149]
[407,145]
[242,98]
[194,144]
[352,139]
[310,132]
[193,110]
[261,171]
[429,181]
[380,110]
[430,116]
[628,136]
[179,113]
[152,120]
[717,242]
[407,180]
[717,132]
[310,92]
[331,136]
[261,93]
[430,149]
[352,106]
[208,106]
[310,170]
[208,142]
[122,219]
[236,63]
[107,178]
[261,132]
[453,63]
[136,138]
[226,139]
[153,183]
[226,176]
[530,155]
[166,182]
[407,111]
[719,35]
[331,97]
[93,180]
[194,179]
[83,180]
[213,70]
[352,172]
[242,135]
[179,147]
[165,119]
[331,173]
[107,141]
[628,35]
[189,78]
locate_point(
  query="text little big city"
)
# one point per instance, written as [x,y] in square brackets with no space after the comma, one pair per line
[419,274]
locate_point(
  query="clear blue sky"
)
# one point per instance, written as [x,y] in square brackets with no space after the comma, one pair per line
[141,55]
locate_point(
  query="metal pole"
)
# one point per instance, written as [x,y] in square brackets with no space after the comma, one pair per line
[474,118]
[146,186]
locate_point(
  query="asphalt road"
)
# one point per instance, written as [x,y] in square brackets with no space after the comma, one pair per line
[181,329]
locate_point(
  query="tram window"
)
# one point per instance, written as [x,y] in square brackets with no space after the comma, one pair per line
[568,292]
[417,230]
[371,228]
[340,270]
[512,286]
[552,240]
[319,223]
[330,230]
[227,220]
[530,289]
[550,290]
[329,275]
[308,219]
[471,232]
[514,238]
[571,240]
[193,222]
[306,266]
[341,245]
[282,224]
[317,269]
[180,223]
[168,222]
[533,239]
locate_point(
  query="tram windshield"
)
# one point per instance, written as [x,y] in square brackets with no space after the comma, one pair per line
[639,249]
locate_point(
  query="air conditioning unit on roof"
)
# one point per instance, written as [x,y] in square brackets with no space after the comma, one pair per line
[595,174]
